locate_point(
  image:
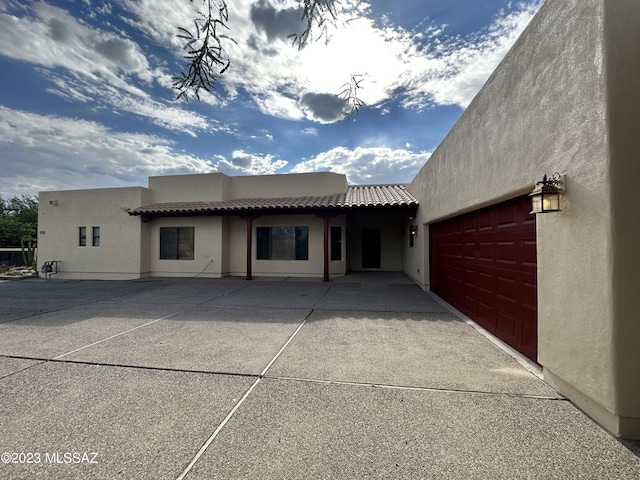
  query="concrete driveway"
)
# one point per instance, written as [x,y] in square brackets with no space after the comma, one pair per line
[363,377]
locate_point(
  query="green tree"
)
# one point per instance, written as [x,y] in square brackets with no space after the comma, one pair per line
[18,220]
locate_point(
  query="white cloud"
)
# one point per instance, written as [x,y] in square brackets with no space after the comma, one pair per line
[281,81]
[54,38]
[93,66]
[367,165]
[53,153]
[243,163]
[450,71]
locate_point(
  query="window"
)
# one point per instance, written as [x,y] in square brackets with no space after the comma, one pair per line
[336,243]
[82,236]
[95,237]
[177,243]
[282,243]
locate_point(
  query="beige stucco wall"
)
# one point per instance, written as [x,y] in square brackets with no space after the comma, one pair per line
[292,185]
[622,24]
[545,110]
[119,255]
[207,187]
[218,186]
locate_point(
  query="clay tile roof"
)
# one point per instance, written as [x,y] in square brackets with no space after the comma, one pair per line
[361,196]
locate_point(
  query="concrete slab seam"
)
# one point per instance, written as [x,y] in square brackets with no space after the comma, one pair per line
[292,336]
[215,433]
[418,389]
[40,360]
[117,335]
[144,367]
[286,344]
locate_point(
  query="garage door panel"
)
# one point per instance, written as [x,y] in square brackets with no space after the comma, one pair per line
[529,256]
[506,253]
[485,221]
[484,263]
[470,224]
[506,327]
[485,314]
[507,215]
[469,251]
[485,251]
[485,284]
[529,297]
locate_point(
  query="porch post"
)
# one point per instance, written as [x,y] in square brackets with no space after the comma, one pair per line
[249,219]
[326,216]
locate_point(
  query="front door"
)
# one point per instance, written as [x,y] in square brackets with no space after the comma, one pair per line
[371,248]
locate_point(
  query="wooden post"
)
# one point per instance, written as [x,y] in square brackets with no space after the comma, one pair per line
[249,219]
[326,216]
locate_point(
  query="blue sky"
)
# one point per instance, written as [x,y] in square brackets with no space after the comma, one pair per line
[86,98]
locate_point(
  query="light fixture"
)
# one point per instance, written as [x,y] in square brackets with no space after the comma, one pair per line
[413,230]
[545,197]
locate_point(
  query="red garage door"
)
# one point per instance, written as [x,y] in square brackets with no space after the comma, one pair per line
[484,264]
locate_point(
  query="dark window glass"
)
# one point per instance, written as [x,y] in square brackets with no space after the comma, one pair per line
[302,243]
[82,236]
[177,243]
[263,239]
[282,243]
[336,243]
[185,243]
[95,237]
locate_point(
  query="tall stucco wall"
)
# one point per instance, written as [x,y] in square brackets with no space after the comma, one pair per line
[623,71]
[291,185]
[119,255]
[206,187]
[544,110]
[218,186]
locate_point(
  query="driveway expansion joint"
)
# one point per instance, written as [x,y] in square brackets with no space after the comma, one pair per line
[416,388]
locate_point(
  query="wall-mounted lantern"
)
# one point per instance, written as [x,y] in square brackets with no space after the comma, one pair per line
[545,197]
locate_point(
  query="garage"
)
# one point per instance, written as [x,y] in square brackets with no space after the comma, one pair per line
[484,264]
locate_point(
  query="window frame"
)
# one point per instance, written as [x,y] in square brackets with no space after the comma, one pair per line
[95,236]
[82,236]
[171,243]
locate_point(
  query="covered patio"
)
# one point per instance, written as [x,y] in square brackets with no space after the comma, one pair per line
[374,216]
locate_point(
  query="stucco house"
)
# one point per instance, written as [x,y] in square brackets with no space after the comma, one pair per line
[214,225]
[559,287]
